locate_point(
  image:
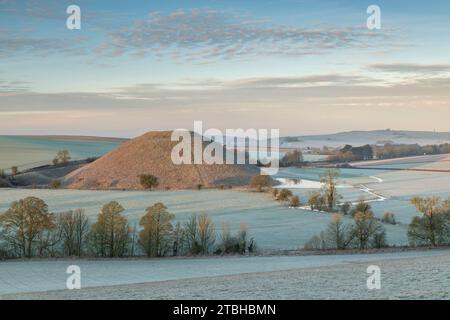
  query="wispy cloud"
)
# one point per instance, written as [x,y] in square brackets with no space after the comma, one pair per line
[221,94]
[411,68]
[310,103]
[13,45]
[10,87]
[201,36]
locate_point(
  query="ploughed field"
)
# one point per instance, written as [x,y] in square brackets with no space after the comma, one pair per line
[404,275]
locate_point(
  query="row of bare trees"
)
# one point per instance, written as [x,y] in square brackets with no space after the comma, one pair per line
[363,233]
[28,229]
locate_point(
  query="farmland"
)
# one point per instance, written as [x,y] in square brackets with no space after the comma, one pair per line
[273,225]
[27,152]
[405,275]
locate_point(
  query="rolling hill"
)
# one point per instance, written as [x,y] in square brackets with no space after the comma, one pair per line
[151,154]
[359,138]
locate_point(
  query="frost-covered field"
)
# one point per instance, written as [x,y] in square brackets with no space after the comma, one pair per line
[273,225]
[359,138]
[27,152]
[398,187]
[406,275]
[413,275]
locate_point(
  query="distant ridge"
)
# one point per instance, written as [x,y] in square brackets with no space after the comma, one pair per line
[358,138]
[151,154]
[72,138]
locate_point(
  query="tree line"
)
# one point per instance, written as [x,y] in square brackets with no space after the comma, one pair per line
[430,228]
[28,229]
[386,151]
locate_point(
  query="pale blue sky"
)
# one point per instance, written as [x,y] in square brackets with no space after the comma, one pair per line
[301,66]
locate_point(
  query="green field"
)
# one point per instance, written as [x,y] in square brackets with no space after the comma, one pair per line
[26,152]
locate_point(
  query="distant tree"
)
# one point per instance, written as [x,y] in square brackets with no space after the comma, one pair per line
[388,217]
[317,242]
[293,158]
[284,195]
[433,227]
[329,181]
[365,232]
[365,228]
[192,235]
[346,207]
[295,202]
[156,233]
[315,200]
[361,206]
[2,174]
[24,224]
[56,184]
[338,235]
[109,236]
[275,192]
[260,182]
[14,170]
[379,240]
[62,158]
[148,181]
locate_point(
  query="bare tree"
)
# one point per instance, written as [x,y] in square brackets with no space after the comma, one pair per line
[338,234]
[179,240]
[317,242]
[206,233]
[191,235]
[238,243]
[74,227]
[242,238]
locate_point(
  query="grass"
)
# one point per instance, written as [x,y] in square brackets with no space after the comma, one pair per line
[273,226]
[27,152]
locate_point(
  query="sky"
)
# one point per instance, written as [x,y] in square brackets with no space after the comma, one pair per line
[300,66]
